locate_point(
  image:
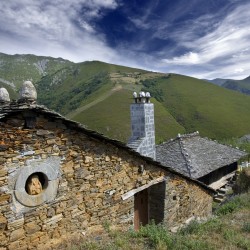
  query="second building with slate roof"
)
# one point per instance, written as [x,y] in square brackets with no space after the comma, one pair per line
[200,158]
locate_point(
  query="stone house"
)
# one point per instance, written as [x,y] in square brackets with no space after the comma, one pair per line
[59,180]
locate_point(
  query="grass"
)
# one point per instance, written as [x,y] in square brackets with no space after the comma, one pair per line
[114,120]
[228,229]
[198,105]
[237,142]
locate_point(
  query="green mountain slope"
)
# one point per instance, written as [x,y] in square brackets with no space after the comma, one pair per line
[242,86]
[217,81]
[198,105]
[71,86]
[15,69]
[111,117]
[98,95]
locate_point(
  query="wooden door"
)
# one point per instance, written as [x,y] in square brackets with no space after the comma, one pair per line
[140,209]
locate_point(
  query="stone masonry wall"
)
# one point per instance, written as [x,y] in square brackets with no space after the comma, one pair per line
[177,202]
[91,178]
[184,202]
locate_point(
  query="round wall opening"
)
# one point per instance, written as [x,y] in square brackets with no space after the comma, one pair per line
[36,183]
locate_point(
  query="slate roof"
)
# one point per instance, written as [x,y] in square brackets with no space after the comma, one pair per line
[195,156]
[245,138]
[8,109]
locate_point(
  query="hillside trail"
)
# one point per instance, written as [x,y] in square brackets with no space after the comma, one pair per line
[91,104]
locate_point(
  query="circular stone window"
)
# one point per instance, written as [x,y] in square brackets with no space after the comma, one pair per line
[36,183]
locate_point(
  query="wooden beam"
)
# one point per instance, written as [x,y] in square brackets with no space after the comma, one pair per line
[221,182]
[136,190]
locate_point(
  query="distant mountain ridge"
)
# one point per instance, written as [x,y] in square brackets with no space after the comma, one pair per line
[98,95]
[14,69]
[217,81]
[242,86]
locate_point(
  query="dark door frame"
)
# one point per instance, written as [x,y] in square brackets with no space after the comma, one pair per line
[141,209]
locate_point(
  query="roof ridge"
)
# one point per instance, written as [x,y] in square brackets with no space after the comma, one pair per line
[196,133]
[15,107]
[181,136]
[185,156]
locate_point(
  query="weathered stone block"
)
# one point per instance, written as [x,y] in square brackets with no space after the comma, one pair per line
[17,234]
[14,245]
[88,159]
[4,198]
[51,212]
[69,167]
[3,223]
[3,172]
[31,228]
[3,239]
[15,224]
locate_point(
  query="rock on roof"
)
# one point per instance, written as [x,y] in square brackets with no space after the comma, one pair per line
[4,95]
[195,156]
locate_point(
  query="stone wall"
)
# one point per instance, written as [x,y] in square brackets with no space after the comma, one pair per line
[84,179]
[184,202]
[176,202]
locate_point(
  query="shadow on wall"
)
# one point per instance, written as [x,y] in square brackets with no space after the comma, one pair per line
[157,195]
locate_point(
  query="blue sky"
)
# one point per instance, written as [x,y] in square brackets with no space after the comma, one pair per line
[200,38]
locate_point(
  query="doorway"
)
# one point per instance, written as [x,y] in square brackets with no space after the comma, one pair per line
[140,209]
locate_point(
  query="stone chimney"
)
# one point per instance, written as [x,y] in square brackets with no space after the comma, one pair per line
[142,125]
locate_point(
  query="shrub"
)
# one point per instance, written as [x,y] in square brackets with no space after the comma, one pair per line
[236,203]
[193,227]
[156,234]
[246,227]
[242,184]
[227,208]
[186,243]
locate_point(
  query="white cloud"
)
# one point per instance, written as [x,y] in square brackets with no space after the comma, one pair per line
[57,28]
[66,29]
[226,48]
[186,59]
[239,70]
